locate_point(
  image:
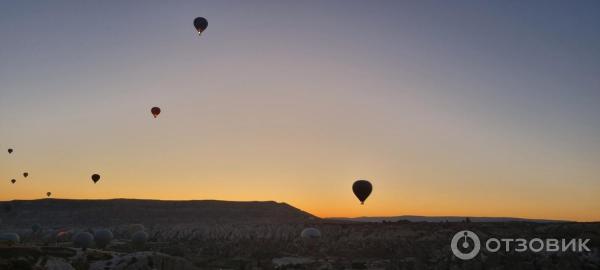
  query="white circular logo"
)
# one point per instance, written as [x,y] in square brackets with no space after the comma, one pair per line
[464,241]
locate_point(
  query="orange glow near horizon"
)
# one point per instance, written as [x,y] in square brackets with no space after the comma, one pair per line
[447,111]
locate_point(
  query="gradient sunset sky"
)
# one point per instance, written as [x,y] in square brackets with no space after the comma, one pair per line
[467,108]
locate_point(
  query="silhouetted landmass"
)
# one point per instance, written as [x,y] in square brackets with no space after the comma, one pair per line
[99,213]
[262,235]
[444,219]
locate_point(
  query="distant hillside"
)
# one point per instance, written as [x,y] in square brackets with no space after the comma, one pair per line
[444,219]
[61,212]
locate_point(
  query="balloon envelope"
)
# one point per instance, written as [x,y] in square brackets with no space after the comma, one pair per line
[83,240]
[10,150]
[48,194]
[362,189]
[25,174]
[13,181]
[310,233]
[95,178]
[155,111]
[103,237]
[200,24]
[139,238]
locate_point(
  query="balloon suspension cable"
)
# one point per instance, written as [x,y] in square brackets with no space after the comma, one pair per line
[362,203]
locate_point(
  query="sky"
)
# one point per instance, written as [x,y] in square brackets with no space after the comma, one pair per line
[468,108]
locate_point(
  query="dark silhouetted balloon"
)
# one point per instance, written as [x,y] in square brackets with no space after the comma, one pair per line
[155,111]
[10,150]
[13,181]
[48,193]
[200,24]
[103,237]
[139,239]
[25,174]
[83,240]
[362,189]
[36,227]
[95,178]
[310,233]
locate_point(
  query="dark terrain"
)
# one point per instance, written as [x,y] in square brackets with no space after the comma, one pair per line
[106,213]
[261,235]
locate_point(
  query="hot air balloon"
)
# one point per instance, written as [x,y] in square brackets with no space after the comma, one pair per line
[310,238]
[362,189]
[155,111]
[103,237]
[48,193]
[95,178]
[10,150]
[63,235]
[10,238]
[310,233]
[25,174]
[139,239]
[83,240]
[13,181]
[200,24]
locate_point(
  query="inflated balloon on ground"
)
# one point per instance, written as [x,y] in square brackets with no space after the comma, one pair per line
[310,233]
[139,239]
[83,240]
[103,237]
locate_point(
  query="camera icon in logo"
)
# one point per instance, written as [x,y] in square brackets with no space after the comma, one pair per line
[465,245]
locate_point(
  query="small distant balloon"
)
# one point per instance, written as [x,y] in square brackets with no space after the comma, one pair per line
[362,189]
[13,181]
[25,174]
[95,178]
[155,111]
[10,150]
[200,24]
[48,193]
